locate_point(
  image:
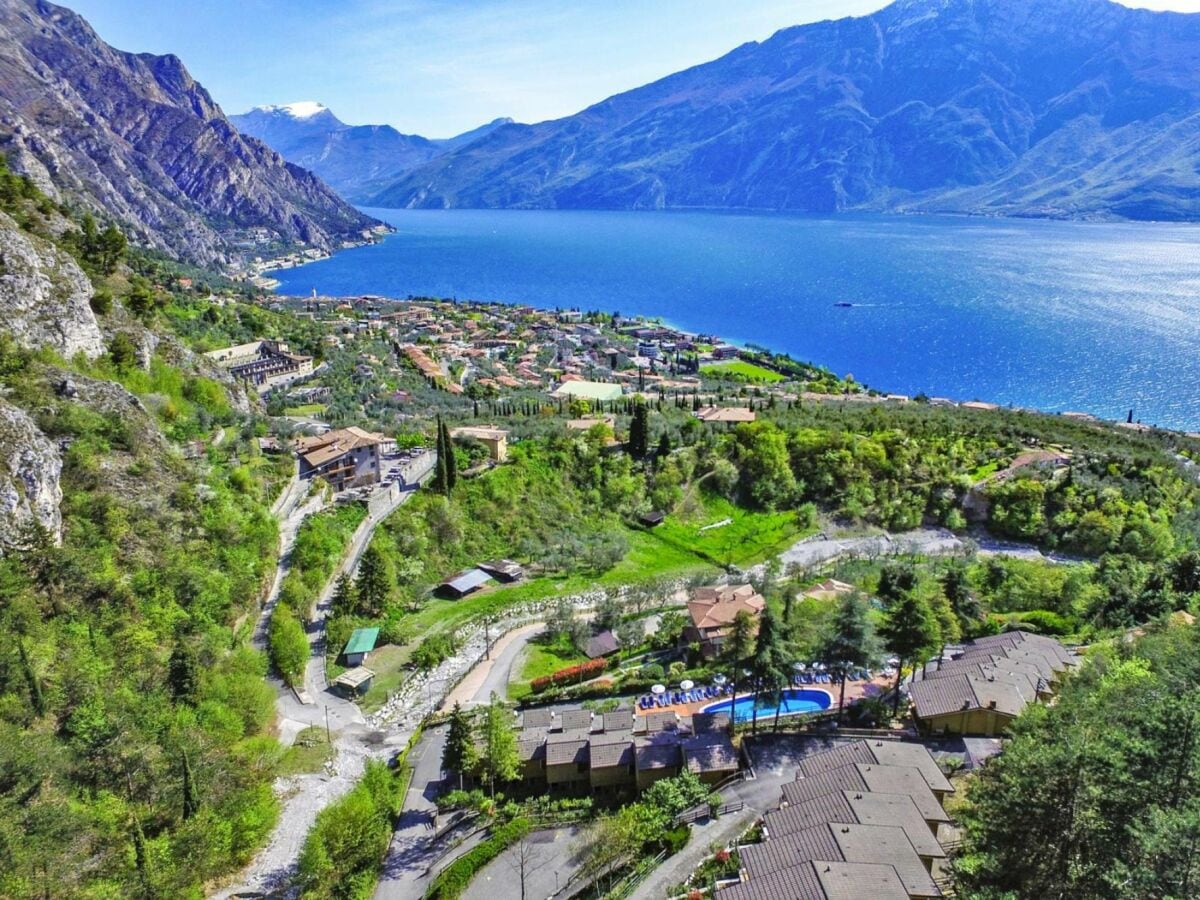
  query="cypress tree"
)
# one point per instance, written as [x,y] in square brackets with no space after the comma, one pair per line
[191,802]
[451,467]
[639,431]
[182,676]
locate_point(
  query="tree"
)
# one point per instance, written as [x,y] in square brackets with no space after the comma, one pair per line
[736,649]
[769,664]
[639,430]
[183,676]
[343,600]
[631,633]
[664,446]
[524,861]
[373,586]
[441,478]
[909,630]
[288,644]
[608,612]
[498,760]
[459,754]
[121,351]
[451,463]
[850,641]
[191,802]
[957,588]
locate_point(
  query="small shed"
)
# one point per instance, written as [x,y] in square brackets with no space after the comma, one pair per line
[503,570]
[361,642]
[464,583]
[601,644]
[653,518]
[354,682]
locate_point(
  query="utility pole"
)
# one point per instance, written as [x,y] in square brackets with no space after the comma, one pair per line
[487,637]
[328,736]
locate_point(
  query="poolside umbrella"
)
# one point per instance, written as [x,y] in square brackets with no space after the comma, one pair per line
[719,679]
[658,689]
[799,667]
[686,685]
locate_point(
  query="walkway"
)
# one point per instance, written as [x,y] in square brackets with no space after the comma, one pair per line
[494,674]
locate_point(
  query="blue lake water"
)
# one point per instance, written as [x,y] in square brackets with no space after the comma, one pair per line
[1098,317]
[792,702]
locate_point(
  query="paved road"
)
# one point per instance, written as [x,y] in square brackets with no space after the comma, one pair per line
[410,853]
[494,674]
[548,860]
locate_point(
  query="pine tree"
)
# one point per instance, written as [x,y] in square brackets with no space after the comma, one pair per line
[769,663]
[343,596]
[909,630]
[499,761]
[183,677]
[373,585]
[441,478]
[735,650]
[451,467]
[664,446]
[459,754]
[850,642]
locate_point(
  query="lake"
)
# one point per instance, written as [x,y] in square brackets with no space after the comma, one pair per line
[1095,317]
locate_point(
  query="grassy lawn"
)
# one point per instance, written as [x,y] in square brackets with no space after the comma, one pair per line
[543,657]
[741,371]
[387,663]
[648,558]
[750,537]
[308,409]
[307,755]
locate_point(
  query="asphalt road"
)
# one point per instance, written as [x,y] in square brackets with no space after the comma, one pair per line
[410,854]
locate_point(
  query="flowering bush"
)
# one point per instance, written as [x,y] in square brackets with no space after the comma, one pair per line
[570,675]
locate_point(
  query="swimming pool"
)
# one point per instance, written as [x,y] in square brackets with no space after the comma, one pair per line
[794,702]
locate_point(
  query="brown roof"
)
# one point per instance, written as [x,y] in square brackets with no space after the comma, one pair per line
[537,718]
[618,720]
[564,748]
[609,750]
[573,719]
[822,881]
[717,607]
[857,808]
[726,414]
[319,450]
[963,692]
[658,752]
[882,752]
[711,752]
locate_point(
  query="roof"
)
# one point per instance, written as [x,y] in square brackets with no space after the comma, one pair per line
[726,414]
[658,752]
[611,750]
[589,390]
[618,720]
[466,581]
[887,753]
[857,808]
[822,881]
[575,719]
[601,644]
[718,606]
[710,753]
[956,693]
[362,640]
[537,718]
[480,432]
[316,451]
[564,748]
[505,567]
[354,678]
[661,720]
[704,722]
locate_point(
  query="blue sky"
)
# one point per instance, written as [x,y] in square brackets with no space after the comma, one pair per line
[439,67]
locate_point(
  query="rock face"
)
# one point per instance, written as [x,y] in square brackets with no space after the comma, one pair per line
[134,136]
[1014,107]
[355,160]
[44,296]
[30,467]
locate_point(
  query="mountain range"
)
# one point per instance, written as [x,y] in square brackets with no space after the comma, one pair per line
[1072,108]
[355,160]
[134,138]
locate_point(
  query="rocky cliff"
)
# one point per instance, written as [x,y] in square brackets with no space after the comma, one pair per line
[134,137]
[30,467]
[1014,107]
[45,296]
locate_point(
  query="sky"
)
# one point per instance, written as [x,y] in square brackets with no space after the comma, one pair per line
[441,67]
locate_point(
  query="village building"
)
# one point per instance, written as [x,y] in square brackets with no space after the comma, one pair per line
[712,611]
[493,438]
[596,391]
[345,457]
[729,415]
[980,687]
[464,583]
[265,364]
[354,682]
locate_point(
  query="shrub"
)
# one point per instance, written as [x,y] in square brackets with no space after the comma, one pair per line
[570,675]
[453,880]
[288,644]
[652,672]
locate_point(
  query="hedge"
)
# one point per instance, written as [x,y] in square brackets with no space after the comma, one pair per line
[570,675]
[454,879]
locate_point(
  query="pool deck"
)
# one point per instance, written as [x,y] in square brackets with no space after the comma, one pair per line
[854,691]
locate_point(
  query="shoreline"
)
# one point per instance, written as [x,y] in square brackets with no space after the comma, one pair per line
[273,286]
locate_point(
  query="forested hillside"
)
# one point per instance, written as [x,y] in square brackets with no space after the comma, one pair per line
[135,759]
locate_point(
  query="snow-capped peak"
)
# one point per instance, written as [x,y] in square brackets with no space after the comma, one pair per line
[302,109]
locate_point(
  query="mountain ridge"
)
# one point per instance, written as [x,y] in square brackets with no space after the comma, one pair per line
[355,160]
[134,137]
[1066,108]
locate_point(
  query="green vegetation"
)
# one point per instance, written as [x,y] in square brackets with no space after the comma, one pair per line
[740,370]
[1095,795]
[309,753]
[750,536]
[342,852]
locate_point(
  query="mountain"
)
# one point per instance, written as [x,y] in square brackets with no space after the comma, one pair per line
[1012,107]
[355,160]
[135,137]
